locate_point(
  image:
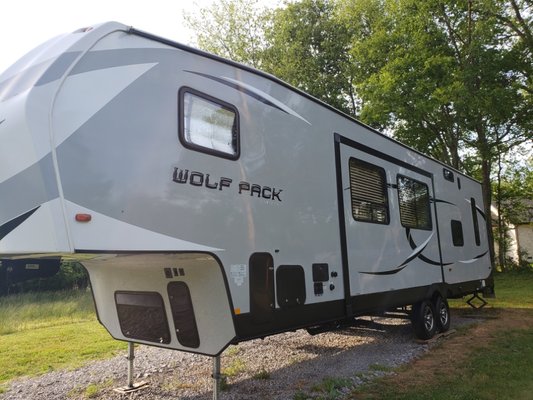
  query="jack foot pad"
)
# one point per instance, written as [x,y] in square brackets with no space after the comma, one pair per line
[129,389]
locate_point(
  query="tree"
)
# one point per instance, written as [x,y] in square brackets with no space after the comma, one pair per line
[446,80]
[513,193]
[301,43]
[309,49]
[232,29]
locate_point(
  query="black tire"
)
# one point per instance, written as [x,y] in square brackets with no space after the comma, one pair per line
[442,312]
[423,320]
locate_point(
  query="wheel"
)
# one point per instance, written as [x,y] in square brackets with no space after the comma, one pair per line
[423,320]
[442,311]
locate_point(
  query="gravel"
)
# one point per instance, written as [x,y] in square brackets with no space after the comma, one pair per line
[278,367]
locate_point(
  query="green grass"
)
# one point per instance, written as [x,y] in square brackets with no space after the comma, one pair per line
[500,370]
[329,387]
[22,312]
[49,331]
[235,367]
[513,290]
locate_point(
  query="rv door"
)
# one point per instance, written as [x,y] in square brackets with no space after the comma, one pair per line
[389,222]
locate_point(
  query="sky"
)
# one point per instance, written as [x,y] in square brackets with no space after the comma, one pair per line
[28,23]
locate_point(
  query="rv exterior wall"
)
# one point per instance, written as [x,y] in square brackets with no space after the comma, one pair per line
[194,169]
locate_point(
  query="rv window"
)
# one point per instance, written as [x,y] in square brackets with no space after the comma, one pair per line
[457,233]
[208,124]
[368,190]
[413,197]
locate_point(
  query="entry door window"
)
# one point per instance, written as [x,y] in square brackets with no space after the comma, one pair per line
[413,197]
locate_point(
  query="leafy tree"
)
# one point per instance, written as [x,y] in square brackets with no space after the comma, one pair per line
[309,49]
[445,79]
[232,29]
[513,193]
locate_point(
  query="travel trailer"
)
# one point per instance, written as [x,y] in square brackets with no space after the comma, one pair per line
[212,203]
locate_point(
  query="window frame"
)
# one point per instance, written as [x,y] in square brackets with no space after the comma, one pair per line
[429,227]
[383,174]
[223,104]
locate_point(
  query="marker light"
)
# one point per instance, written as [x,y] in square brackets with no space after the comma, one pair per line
[83,217]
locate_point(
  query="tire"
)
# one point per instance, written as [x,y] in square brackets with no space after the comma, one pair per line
[423,320]
[442,312]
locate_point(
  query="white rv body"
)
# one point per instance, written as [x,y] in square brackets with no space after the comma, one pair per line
[197,232]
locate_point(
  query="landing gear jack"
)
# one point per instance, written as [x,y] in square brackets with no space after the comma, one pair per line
[217,377]
[131,386]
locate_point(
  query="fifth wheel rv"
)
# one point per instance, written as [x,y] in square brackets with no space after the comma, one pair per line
[212,203]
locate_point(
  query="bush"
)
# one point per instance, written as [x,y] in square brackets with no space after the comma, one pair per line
[71,275]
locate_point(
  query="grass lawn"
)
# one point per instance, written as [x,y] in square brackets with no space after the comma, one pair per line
[491,360]
[50,331]
[513,290]
[41,332]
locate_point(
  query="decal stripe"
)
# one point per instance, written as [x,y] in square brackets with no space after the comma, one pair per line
[442,201]
[421,256]
[9,226]
[390,272]
[417,253]
[239,88]
[481,212]
[474,259]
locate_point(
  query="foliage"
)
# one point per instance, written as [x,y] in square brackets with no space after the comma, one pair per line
[233,29]
[516,188]
[309,49]
[513,194]
[71,275]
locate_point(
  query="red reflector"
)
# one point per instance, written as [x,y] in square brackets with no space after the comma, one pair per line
[83,217]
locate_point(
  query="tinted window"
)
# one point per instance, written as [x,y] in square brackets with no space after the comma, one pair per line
[457,233]
[368,189]
[413,197]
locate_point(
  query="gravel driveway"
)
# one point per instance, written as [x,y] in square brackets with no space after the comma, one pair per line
[278,367]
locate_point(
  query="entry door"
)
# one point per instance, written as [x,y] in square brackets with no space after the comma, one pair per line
[390,225]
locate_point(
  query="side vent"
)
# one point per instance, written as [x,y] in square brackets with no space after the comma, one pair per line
[183,314]
[290,284]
